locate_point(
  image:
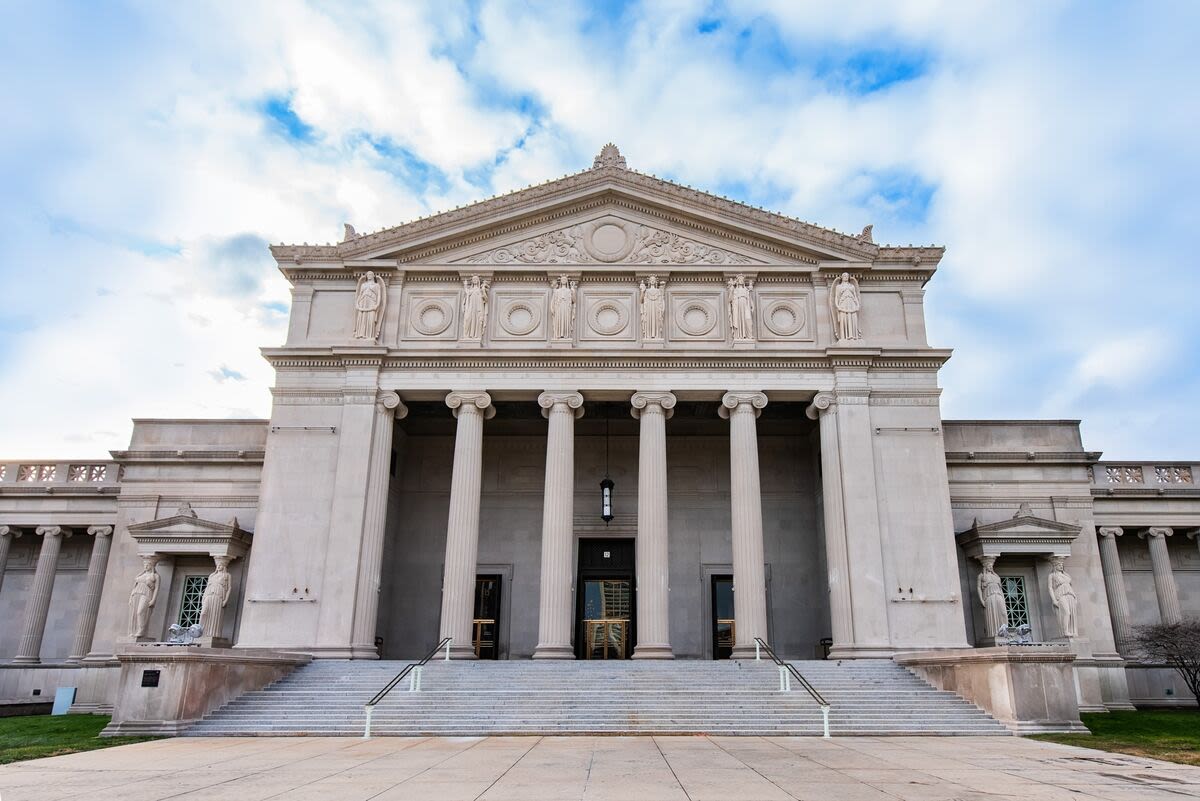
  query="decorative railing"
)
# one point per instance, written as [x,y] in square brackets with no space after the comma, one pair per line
[58,473]
[787,672]
[1143,475]
[413,672]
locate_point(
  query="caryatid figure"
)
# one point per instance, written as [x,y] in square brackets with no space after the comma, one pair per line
[846,303]
[1062,595]
[216,595]
[141,600]
[474,307]
[562,308]
[369,301]
[991,596]
[654,307]
[741,307]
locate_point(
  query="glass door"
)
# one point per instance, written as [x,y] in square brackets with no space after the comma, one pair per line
[607,614]
[724,627]
[486,633]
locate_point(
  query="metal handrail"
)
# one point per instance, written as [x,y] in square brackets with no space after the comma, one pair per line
[414,683]
[787,671]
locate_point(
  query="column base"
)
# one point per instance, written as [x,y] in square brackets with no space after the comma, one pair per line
[650,651]
[26,660]
[554,652]
[364,652]
[747,652]
[457,652]
[861,652]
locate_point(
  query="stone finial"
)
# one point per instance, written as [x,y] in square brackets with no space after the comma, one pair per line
[185,510]
[865,236]
[610,156]
[348,232]
[1024,510]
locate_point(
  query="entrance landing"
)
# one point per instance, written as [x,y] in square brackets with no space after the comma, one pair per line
[870,697]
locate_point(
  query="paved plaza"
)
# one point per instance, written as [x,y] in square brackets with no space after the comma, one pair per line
[628,768]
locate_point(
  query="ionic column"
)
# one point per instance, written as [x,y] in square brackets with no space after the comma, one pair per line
[558,525]
[462,530]
[388,409]
[1164,579]
[837,556]
[7,535]
[1114,587]
[749,575]
[38,605]
[652,409]
[97,567]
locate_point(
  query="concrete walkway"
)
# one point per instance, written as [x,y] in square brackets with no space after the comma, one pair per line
[627,768]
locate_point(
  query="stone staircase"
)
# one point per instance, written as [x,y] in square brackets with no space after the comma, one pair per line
[868,697]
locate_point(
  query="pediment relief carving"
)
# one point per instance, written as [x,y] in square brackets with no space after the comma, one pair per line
[611,240]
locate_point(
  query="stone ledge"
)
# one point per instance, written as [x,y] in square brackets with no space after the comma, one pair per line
[1028,688]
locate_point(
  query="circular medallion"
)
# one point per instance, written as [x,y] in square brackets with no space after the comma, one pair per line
[608,317]
[608,239]
[695,317]
[520,318]
[784,318]
[432,317]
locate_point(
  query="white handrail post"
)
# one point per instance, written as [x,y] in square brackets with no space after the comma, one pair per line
[420,675]
[412,680]
[757,652]
[825,715]
[447,649]
[781,675]
[787,677]
[367,727]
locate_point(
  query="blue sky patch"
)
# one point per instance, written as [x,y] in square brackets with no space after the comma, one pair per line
[284,120]
[865,71]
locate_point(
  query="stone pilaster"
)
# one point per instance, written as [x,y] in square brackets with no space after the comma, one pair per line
[837,558]
[462,530]
[7,535]
[388,409]
[97,567]
[38,604]
[555,605]
[652,409]
[749,573]
[1164,579]
[1114,588]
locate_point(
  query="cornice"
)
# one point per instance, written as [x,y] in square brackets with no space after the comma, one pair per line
[249,456]
[1030,457]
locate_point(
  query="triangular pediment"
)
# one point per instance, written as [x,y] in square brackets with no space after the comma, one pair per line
[186,535]
[1025,533]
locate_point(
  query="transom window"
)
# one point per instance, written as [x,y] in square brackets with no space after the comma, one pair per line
[193,596]
[1016,600]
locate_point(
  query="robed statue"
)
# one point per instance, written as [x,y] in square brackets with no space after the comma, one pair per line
[141,600]
[991,596]
[369,301]
[562,308]
[845,303]
[654,307]
[474,307]
[741,307]
[1062,595]
[216,596]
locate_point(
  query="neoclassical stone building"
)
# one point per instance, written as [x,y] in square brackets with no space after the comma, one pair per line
[603,417]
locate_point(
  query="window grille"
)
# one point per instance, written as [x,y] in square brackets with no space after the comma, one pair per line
[1016,600]
[193,596]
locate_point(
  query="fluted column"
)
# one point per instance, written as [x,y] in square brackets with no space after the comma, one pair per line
[555,608]
[749,575]
[7,535]
[97,567]
[837,556]
[652,409]
[38,604]
[388,409]
[1164,579]
[462,530]
[1114,587]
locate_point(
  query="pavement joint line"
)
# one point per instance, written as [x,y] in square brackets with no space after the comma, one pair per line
[671,768]
[751,767]
[346,747]
[428,768]
[537,741]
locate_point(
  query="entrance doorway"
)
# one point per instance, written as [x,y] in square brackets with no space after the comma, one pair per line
[486,633]
[605,608]
[724,627]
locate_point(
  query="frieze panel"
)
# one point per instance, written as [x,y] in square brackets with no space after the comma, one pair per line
[520,314]
[608,315]
[695,316]
[785,315]
[430,314]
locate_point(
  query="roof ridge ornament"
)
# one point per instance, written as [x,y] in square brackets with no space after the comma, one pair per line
[610,156]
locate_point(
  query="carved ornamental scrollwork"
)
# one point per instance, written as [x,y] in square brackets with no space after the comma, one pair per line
[572,401]
[822,401]
[470,402]
[651,403]
[734,402]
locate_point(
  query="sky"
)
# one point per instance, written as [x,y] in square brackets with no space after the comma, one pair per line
[151,151]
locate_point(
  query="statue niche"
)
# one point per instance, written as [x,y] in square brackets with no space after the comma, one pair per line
[369,301]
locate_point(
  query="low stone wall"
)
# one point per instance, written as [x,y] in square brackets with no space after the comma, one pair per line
[95,685]
[163,689]
[1028,688]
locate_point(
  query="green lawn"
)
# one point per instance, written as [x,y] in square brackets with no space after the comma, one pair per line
[36,736]
[1173,735]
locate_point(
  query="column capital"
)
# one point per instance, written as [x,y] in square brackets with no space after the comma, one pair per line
[821,402]
[471,401]
[10,531]
[99,532]
[54,531]
[649,401]
[987,560]
[389,401]
[1110,532]
[1156,533]
[572,400]
[731,402]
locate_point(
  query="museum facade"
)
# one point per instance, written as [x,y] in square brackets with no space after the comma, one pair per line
[603,417]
